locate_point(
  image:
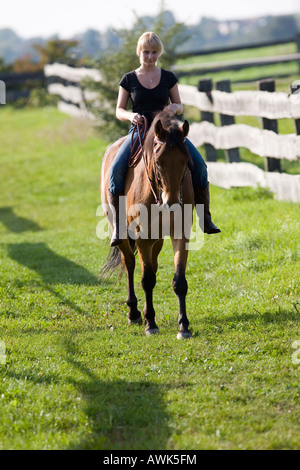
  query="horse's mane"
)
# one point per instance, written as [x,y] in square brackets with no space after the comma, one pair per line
[173,136]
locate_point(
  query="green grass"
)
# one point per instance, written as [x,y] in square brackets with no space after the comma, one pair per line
[76,376]
[269,51]
[248,74]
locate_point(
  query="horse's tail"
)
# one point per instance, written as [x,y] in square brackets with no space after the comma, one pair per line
[114,261]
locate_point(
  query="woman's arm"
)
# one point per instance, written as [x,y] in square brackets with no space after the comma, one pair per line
[121,109]
[176,106]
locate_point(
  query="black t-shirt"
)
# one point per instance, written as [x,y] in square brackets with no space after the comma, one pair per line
[147,101]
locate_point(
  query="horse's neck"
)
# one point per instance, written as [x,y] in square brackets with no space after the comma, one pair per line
[146,175]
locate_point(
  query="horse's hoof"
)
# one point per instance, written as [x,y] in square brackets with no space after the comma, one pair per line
[184,335]
[152,331]
[137,321]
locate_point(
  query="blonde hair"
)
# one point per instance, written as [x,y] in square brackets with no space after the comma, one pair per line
[149,40]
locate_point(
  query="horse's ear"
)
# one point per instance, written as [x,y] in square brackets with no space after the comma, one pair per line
[185,128]
[159,130]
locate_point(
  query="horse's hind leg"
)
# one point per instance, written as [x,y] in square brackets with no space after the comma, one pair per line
[128,258]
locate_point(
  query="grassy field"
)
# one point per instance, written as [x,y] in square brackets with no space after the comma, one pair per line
[249,74]
[74,375]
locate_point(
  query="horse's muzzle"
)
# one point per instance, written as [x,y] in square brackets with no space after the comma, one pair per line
[169,205]
[172,208]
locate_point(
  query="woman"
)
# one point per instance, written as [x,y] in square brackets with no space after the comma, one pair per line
[152,89]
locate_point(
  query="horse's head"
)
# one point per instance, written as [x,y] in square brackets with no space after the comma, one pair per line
[170,158]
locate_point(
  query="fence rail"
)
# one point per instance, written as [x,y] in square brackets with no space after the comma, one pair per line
[266,142]
[230,175]
[244,103]
[263,142]
[66,81]
[263,104]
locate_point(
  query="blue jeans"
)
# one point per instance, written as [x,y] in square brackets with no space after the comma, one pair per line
[119,166]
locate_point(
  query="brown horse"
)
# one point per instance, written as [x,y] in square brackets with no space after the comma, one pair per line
[158,184]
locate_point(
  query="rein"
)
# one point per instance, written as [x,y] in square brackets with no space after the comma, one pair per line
[137,145]
[137,153]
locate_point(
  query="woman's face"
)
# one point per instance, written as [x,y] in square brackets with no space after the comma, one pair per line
[149,56]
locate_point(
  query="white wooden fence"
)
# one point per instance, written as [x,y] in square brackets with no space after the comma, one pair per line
[68,87]
[264,143]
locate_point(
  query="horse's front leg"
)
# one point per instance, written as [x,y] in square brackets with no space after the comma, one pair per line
[148,283]
[180,285]
[128,259]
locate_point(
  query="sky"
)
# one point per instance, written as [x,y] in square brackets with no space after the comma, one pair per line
[32,18]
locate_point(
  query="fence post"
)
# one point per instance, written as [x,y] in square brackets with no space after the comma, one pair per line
[206,87]
[232,155]
[271,164]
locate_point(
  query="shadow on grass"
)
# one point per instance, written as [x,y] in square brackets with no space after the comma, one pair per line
[15,223]
[124,415]
[120,414]
[53,268]
[263,318]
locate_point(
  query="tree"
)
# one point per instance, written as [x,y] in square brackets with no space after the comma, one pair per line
[115,62]
[26,64]
[55,50]
[4,67]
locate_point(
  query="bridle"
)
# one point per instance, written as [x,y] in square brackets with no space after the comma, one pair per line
[137,152]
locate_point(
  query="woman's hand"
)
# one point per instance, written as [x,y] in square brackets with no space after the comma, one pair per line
[174,108]
[137,119]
